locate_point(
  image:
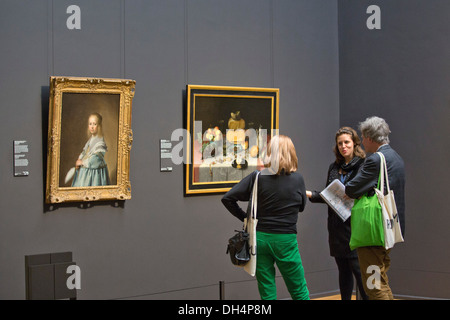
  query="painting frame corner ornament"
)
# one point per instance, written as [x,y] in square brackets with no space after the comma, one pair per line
[89,139]
[228,128]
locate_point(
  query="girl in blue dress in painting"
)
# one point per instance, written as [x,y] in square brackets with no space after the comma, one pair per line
[91,168]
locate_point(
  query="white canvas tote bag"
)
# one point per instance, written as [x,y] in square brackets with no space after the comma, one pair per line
[250,225]
[391,222]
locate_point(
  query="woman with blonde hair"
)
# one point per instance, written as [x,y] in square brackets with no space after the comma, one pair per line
[281,196]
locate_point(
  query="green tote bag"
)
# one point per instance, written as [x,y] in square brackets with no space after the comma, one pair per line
[366,223]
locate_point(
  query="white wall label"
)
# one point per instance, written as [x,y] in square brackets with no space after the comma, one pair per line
[20,158]
[165,147]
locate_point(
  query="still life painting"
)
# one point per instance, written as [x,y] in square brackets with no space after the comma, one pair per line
[229,128]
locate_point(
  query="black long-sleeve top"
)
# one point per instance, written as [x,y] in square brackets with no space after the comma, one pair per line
[280,199]
[338,231]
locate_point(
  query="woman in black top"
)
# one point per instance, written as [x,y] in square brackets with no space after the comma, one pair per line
[281,195]
[349,157]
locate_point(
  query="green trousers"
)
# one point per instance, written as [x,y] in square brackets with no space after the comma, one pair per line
[281,249]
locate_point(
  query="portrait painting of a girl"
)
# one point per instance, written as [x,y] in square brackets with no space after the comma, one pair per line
[89,139]
[91,167]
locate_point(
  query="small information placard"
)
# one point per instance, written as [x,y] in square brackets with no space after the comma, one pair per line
[20,158]
[165,147]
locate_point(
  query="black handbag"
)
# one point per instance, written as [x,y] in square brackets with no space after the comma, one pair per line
[239,245]
[239,249]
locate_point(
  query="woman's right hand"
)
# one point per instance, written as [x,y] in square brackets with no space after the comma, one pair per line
[78,164]
[308,193]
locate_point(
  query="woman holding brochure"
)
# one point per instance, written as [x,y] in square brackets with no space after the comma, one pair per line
[349,157]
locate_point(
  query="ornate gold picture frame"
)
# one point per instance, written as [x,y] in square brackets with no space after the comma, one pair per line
[228,128]
[89,139]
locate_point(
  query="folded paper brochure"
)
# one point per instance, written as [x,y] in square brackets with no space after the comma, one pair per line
[334,195]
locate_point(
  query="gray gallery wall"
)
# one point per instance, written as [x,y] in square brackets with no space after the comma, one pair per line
[159,244]
[401,72]
[331,71]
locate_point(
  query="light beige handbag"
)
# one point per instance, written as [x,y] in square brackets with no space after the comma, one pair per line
[391,222]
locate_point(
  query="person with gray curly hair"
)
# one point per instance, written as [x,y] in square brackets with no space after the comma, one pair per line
[375,133]
[376,129]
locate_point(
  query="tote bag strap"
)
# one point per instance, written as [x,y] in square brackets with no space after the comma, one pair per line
[386,174]
[380,185]
[254,202]
[254,207]
[383,173]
